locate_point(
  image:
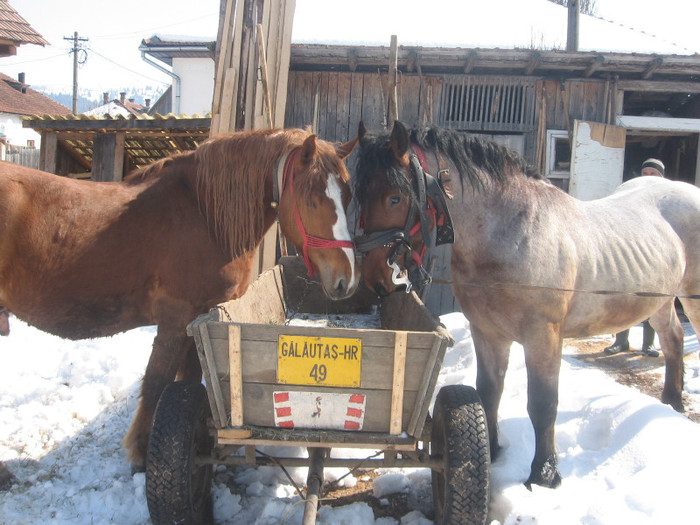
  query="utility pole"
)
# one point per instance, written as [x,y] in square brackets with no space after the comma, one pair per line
[572,26]
[76,48]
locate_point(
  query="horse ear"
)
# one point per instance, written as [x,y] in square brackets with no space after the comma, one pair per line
[346,149]
[308,149]
[399,141]
[361,130]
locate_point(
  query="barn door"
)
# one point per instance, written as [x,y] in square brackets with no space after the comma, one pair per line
[597,159]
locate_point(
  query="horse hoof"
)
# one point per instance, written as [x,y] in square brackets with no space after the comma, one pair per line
[548,476]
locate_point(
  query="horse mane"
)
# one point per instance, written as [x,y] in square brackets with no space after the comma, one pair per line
[155,169]
[231,174]
[475,157]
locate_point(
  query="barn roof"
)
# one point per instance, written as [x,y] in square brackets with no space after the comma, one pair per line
[495,61]
[18,98]
[15,30]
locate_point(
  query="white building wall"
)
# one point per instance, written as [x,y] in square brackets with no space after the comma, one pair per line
[196,85]
[12,131]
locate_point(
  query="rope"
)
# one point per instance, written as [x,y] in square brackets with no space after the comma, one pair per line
[501,286]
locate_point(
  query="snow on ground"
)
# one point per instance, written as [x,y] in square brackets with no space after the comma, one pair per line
[65,406]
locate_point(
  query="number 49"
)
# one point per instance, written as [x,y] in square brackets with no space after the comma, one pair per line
[318,373]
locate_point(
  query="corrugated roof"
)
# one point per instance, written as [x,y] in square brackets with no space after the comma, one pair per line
[15,28]
[29,102]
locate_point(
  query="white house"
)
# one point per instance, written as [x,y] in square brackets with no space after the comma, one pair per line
[190,63]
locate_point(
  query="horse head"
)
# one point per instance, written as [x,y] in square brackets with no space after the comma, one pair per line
[314,198]
[399,207]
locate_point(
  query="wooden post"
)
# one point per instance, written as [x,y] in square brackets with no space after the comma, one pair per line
[393,82]
[396,421]
[48,151]
[108,157]
[572,26]
[255,35]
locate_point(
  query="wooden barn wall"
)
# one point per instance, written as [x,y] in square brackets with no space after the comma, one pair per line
[334,103]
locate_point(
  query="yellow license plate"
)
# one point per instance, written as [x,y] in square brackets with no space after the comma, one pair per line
[328,361]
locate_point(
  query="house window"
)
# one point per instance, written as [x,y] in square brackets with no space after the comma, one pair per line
[30,144]
[558,157]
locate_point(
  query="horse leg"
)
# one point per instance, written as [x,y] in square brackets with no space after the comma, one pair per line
[543,362]
[491,365]
[169,350]
[665,322]
[190,369]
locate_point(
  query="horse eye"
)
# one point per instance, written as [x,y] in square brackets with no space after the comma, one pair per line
[394,200]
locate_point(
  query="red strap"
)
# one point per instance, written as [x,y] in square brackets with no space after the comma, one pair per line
[310,241]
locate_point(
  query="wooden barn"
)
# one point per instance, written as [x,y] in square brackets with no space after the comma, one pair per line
[586,119]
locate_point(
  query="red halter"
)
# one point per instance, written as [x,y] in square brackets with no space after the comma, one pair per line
[310,241]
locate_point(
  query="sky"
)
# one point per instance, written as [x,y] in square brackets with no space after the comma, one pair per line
[115,29]
[65,406]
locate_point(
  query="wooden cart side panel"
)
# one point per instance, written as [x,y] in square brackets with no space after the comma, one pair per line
[258,398]
[259,359]
[420,412]
[219,409]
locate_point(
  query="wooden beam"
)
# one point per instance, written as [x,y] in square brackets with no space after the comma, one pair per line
[652,67]
[654,86]
[472,57]
[595,65]
[532,64]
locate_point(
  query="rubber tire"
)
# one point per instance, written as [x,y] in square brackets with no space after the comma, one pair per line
[178,491]
[459,440]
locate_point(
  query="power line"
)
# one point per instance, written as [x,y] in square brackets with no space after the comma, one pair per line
[126,68]
[117,36]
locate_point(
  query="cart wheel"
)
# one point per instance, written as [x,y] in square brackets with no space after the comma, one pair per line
[459,440]
[177,489]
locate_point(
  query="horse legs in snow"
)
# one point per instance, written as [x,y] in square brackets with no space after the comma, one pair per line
[492,363]
[665,322]
[543,362]
[170,348]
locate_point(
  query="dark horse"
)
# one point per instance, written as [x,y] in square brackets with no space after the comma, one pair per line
[84,259]
[528,258]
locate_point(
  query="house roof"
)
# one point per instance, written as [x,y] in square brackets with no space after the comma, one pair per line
[16,30]
[18,98]
[167,47]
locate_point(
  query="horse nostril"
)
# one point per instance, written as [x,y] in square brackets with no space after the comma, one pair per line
[341,286]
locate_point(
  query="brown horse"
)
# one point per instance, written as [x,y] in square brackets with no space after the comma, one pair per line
[84,259]
[528,258]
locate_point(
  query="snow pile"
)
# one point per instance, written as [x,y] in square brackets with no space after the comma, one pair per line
[65,406]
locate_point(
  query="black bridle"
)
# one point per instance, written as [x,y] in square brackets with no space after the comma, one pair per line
[428,193]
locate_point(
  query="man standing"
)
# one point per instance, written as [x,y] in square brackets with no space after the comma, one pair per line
[654,168]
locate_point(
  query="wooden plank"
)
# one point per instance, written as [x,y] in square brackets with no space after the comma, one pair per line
[256,442]
[194,330]
[47,153]
[234,433]
[235,374]
[212,380]
[397,391]
[342,131]
[433,366]
[259,362]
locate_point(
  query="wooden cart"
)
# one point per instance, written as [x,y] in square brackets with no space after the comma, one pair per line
[269,383]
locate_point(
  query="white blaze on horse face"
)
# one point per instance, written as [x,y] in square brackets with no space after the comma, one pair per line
[340,228]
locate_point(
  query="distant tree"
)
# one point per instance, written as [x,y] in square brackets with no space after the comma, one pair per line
[587,7]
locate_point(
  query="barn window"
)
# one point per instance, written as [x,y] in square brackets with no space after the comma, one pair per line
[488,103]
[558,157]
